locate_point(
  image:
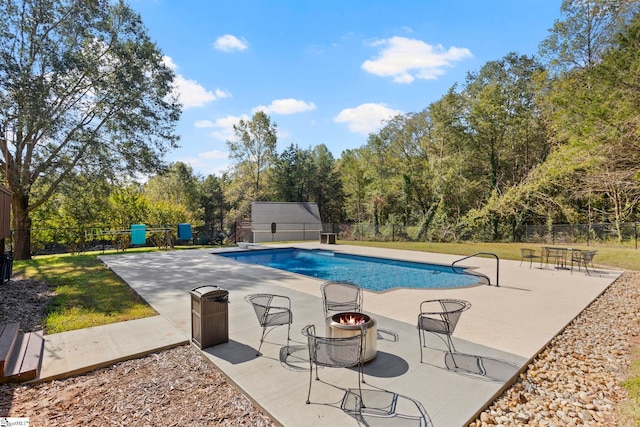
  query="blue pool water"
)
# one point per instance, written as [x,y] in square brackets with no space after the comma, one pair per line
[376,274]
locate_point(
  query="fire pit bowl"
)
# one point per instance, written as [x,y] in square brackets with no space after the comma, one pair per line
[348,324]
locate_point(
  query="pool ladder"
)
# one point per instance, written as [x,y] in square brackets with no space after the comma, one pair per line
[453,267]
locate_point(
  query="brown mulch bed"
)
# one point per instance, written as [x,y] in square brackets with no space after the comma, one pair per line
[176,387]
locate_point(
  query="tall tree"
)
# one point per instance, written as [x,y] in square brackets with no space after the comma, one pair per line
[505,131]
[355,180]
[309,176]
[453,181]
[254,148]
[611,119]
[584,32]
[81,85]
[214,204]
[292,171]
[326,187]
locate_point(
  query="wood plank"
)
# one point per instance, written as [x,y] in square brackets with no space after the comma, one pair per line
[25,359]
[8,335]
[12,366]
[32,357]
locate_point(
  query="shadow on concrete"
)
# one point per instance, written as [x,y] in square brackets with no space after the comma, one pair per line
[233,352]
[384,408]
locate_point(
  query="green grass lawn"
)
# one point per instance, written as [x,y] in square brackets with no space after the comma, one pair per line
[87,293]
[606,256]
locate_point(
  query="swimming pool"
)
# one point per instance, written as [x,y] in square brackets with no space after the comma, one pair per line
[372,273]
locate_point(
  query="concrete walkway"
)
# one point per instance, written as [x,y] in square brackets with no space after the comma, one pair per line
[505,328]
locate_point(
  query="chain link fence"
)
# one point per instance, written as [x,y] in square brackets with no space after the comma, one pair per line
[623,234]
[62,240]
[46,241]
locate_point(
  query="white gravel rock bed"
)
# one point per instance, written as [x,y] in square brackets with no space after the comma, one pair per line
[575,380]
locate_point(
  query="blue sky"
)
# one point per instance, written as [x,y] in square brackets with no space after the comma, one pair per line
[326,72]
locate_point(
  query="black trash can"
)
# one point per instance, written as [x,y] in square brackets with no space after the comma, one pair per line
[209,316]
[6,268]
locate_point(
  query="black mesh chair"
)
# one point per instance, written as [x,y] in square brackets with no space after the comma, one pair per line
[334,352]
[341,297]
[271,311]
[527,254]
[440,317]
[582,259]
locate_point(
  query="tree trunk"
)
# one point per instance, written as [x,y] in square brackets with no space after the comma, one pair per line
[21,227]
[426,221]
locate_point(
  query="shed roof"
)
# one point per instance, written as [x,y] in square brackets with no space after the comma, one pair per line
[265,213]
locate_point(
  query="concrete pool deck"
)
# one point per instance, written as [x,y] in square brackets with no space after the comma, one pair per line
[505,328]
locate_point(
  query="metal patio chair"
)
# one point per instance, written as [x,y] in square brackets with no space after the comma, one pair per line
[582,258]
[272,311]
[334,352]
[440,317]
[340,296]
[530,255]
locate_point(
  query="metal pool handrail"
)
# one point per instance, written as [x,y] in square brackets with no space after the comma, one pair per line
[480,274]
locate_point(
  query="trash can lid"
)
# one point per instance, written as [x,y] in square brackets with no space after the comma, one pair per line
[208,291]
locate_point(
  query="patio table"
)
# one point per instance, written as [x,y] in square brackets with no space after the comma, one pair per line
[561,255]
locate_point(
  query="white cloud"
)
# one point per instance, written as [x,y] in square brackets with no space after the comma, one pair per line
[190,92]
[222,94]
[286,106]
[408,59]
[229,43]
[204,124]
[215,154]
[366,118]
[223,127]
[206,166]
[168,61]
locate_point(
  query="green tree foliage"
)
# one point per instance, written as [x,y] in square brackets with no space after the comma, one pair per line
[591,110]
[253,152]
[356,178]
[613,116]
[292,175]
[82,86]
[406,185]
[505,131]
[594,111]
[177,186]
[309,176]
[457,187]
[127,205]
[435,166]
[163,214]
[585,30]
[254,148]
[79,205]
[519,142]
[214,205]
[325,187]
